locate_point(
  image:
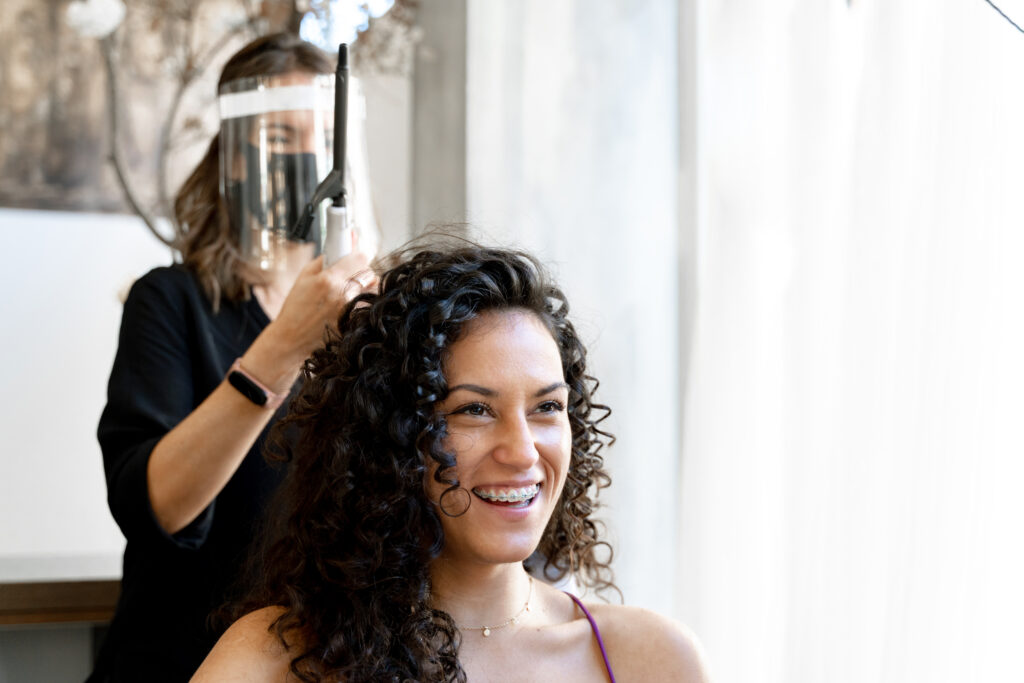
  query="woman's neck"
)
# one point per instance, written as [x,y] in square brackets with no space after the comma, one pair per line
[271,297]
[479,595]
[275,283]
[273,290]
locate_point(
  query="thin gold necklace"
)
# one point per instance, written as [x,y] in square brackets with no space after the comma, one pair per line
[486,630]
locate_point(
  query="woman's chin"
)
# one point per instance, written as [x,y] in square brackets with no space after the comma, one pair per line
[506,553]
[515,557]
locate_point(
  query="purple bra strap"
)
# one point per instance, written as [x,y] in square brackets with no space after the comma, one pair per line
[597,634]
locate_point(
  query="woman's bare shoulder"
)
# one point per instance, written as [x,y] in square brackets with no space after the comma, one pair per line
[249,651]
[645,645]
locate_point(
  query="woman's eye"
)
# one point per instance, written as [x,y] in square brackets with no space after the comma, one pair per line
[550,407]
[476,409]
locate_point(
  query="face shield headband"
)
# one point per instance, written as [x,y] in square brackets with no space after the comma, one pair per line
[276,138]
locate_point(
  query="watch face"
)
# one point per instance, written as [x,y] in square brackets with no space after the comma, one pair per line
[247,388]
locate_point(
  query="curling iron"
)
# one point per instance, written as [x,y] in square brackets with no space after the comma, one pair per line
[338,237]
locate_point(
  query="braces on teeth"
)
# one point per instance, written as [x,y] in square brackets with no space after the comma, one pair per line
[510,496]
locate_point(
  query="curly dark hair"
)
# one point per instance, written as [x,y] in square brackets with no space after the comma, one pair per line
[354,531]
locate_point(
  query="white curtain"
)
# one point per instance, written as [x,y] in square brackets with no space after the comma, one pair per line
[853,440]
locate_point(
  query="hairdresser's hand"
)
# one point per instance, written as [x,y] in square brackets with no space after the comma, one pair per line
[318,295]
[313,304]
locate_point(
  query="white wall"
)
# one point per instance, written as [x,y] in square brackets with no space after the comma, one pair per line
[62,277]
[388,129]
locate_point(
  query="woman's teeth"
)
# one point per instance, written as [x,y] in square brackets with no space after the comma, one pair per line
[508,495]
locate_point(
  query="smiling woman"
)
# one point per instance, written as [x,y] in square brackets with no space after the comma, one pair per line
[442,437]
[509,431]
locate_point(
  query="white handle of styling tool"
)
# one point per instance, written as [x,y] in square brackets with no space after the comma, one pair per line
[339,239]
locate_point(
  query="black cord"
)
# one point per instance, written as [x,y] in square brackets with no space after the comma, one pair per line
[1004,16]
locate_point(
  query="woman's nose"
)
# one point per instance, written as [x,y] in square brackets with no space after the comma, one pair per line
[309,141]
[516,445]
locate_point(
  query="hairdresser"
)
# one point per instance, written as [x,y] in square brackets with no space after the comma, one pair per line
[208,353]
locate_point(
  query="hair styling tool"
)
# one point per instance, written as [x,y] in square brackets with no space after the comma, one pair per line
[338,237]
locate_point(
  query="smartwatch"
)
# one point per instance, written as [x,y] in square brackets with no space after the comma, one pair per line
[252,388]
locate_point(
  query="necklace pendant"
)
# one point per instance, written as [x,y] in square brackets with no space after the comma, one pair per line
[487,632]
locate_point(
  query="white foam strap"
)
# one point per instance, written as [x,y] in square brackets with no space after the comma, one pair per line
[284,98]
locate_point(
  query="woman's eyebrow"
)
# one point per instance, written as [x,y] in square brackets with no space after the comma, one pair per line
[552,387]
[287,127]
[476,388]
[484,391]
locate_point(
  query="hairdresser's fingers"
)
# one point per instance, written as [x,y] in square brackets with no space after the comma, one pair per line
[368,280]
[347,274]
[349,264]
[364,281]
[314,266]
[315,298]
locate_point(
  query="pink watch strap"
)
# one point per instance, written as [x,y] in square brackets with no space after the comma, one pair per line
[274,399]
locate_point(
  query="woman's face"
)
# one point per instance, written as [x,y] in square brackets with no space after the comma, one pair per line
[509,430]
[279,158]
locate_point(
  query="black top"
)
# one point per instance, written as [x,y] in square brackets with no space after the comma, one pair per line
[172,352]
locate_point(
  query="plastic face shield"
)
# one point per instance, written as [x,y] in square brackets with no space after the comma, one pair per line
[276,146]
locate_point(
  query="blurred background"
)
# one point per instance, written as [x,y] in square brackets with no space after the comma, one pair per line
[791,233]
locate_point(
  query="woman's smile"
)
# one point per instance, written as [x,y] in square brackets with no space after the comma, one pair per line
[510,497]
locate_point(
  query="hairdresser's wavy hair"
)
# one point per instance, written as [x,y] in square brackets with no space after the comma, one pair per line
[355,531]
[209,244]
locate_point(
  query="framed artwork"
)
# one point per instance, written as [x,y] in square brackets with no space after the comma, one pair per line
[55,123]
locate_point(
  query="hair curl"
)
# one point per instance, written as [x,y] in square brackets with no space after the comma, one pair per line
[355,532]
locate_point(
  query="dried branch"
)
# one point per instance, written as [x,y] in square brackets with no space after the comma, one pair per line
[108,49]
[388,45]
[192,69]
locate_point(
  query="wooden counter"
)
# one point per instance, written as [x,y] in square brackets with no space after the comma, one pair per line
[58,589]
